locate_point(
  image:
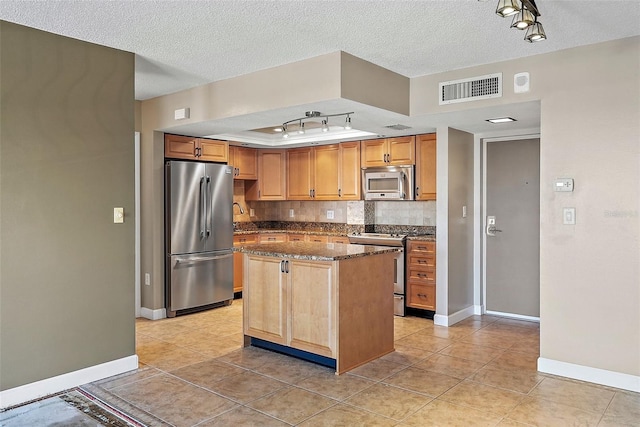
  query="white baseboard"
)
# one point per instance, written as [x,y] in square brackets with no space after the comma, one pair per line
[592,375]
[157,314]
[442,320]
[514,316]
[46,387]
[478,310]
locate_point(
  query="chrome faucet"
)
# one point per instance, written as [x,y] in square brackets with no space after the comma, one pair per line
[241,210]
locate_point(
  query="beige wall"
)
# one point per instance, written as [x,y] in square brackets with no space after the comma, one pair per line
[460,230]
[67,159]
[590,131]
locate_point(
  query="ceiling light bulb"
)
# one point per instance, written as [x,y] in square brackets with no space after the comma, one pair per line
[507,7]
[347,123]
[301,128]
[325,126]
[523,20]
[535,33]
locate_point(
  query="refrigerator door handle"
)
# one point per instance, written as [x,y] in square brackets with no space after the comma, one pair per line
[203,211]
[209,207]
[202,259]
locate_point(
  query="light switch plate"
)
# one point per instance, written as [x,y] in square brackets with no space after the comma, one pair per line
[330,214]
[291,214]
[569,216]
[118,215]
[252,212]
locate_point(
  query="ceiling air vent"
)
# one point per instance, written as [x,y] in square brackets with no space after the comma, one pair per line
[464,90]
[398,127]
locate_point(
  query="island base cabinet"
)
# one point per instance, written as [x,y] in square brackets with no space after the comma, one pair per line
[342,310]
[264,299]
[312,298]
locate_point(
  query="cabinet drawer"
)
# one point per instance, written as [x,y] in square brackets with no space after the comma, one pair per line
[318,239]
[421,260]
[425,248]
[422,275]
[295,237]
[273,238]
[339,239]
[421,296]
[245,240]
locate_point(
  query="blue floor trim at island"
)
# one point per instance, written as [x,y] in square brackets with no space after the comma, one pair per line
[305,355]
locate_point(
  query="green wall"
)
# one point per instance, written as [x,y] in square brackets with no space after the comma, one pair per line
[66,160]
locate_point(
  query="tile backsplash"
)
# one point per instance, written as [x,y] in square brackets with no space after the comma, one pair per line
[358,212]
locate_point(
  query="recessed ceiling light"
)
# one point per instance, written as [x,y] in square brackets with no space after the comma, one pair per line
[501,120]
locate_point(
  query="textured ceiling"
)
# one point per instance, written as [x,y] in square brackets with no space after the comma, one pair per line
[181,44]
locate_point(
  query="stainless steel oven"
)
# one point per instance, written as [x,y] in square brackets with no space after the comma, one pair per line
[395,240]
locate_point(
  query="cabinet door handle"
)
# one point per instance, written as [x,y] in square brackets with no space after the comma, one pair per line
[281,266]
[339,192]
[286,267]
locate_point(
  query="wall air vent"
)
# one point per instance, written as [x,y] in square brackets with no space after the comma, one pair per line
[473,89]
[398,127]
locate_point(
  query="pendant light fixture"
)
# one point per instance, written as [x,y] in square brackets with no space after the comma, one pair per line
[301,128]
[523,19]
[507,7]
[535,33]
[526,17]
[325,126]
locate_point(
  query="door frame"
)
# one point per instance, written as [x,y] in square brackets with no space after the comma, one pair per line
[481,221]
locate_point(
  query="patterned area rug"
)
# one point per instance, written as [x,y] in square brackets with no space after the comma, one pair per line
[73,408]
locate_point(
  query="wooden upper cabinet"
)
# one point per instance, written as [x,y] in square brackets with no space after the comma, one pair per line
[389,151]
[426,167]
[272,177]
[374,153]
[213,151]
[191,148]
[244,161]
[349,171]
[326,161]
[402,150]
[300,173]
[180,147]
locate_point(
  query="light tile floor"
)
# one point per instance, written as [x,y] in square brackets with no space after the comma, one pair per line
[482,371]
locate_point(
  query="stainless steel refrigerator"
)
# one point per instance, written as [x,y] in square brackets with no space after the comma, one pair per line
[199,235]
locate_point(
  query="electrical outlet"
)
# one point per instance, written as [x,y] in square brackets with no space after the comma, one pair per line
[569,216]
[252,212]
[147,279]
[330,214]
[290,213]
[464,211]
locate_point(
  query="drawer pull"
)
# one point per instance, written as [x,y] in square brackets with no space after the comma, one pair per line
[422,295]
[421,261]
[421,275]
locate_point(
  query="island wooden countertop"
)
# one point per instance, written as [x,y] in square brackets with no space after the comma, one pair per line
[314,251]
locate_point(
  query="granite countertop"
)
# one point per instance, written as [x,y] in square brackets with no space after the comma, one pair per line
[423,238]
[314,251]
[273,231]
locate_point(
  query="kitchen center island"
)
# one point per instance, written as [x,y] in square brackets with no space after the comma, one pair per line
[326,302]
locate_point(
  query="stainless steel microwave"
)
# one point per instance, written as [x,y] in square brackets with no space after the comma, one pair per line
[388,183]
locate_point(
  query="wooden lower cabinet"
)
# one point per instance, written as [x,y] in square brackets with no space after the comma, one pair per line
[320,306]
[421,275]
[272,237]
[239,240]
[295,237]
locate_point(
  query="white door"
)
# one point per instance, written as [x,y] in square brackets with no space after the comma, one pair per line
[512,227]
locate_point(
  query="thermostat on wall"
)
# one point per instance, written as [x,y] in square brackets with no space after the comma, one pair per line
[563,184]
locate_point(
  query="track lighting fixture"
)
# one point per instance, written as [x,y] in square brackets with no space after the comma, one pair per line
[309,115]
[347,123]
[526,17]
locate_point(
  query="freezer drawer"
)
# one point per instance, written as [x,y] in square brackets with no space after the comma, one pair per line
[199,279]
